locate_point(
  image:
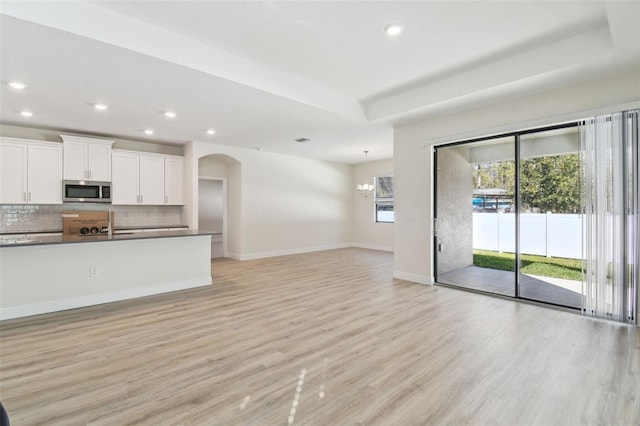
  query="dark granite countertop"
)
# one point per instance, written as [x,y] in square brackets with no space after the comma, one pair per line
[120,228]
[127,228]
[8,241]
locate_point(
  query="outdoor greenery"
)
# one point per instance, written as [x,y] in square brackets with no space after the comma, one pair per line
[495,175]
[568,269]
[547,184]
[551,183]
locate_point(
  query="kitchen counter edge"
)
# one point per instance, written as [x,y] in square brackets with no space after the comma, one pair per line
[60,239]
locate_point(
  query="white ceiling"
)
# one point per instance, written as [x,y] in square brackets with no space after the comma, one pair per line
[265,73]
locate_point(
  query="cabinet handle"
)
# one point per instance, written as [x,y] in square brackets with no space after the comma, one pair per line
[24,196]
[29,197]
[166,199]
[90,174]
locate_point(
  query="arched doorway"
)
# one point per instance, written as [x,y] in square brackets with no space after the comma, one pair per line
[219,202]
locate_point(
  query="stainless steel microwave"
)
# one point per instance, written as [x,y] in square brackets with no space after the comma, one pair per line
[84,191]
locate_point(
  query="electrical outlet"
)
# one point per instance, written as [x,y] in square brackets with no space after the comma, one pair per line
[94,272]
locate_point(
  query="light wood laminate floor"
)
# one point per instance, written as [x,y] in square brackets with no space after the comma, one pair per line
[327,338]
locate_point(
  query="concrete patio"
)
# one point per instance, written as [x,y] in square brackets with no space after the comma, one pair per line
[543,289]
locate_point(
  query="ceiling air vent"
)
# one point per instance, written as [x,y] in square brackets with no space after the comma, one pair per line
[302,140]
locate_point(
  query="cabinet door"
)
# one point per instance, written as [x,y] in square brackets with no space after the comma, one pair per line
[44,174]
[75,161]
[151,180]
[13,173]
[125,183]
[99,162]
[173,181]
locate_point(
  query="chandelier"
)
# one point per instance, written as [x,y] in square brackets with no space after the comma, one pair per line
[366,189]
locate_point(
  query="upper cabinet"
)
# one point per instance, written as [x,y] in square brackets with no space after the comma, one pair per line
[146,179]
[87,158]
[125,185]
[30,172]
[173,180]
[151,180]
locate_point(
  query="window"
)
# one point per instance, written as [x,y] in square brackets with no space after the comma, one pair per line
[384,199]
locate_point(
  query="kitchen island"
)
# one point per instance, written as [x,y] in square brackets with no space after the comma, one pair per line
[53,273]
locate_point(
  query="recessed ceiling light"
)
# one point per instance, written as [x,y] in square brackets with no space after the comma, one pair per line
[393,29]
[17,85]
[211,132]
[148,132]
[101,107]
[302,140]
[170,114]
[26,113]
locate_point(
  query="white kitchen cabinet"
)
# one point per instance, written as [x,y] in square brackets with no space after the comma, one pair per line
[125,185]
[151,180]
[146,179]
[87,158]
[30,172]
[173,180]
[44,174]
[13,173]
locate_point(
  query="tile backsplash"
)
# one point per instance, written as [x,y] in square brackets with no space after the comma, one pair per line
[48,218]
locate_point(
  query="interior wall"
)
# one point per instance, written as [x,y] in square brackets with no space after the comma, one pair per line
[286,204]
[455,211]
[413,159]
[367,232]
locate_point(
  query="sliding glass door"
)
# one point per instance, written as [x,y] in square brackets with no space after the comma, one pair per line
[550,215]
[475,241]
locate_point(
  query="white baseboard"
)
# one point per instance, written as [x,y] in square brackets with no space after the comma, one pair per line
[373,246]
[416,278]
[262,255]
[232,255]
[98,299]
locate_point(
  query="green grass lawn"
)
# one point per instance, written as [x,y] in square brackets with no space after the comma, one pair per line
[556,267]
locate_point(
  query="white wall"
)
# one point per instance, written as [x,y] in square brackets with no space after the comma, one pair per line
[413,158]
[365,231]
[286,204]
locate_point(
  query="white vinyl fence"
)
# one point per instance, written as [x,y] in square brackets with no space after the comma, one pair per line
[543,234]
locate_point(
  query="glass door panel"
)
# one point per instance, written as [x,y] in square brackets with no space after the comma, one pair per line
[475,215]
[550,223]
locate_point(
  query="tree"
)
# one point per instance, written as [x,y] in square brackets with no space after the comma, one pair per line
[498,175]
[549,184]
